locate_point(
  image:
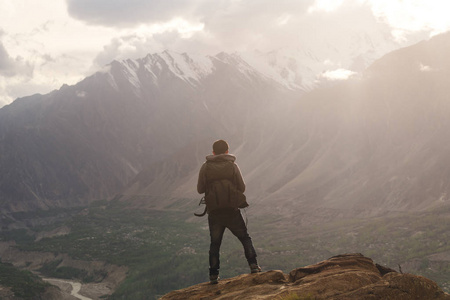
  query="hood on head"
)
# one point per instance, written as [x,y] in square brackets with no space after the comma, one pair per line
[221,157]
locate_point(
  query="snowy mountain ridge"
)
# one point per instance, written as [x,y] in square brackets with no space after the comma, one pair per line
[285,71]
[301,69]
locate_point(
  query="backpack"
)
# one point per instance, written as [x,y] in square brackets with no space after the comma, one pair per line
[221,191]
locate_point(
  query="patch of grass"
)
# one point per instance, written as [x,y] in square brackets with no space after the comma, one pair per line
[20,236]
[295,296]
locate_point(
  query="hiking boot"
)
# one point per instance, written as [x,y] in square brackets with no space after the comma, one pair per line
[214,279]
[254,268]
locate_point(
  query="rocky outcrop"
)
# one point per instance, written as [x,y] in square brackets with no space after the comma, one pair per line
[348,276]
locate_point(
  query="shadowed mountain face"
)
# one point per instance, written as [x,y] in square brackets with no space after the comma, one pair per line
[87,141]
[143,127]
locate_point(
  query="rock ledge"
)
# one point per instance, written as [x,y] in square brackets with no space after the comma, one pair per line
[347,276]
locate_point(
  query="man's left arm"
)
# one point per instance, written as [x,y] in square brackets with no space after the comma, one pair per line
[240,184]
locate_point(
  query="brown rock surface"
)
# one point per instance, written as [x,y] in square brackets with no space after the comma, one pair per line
[348,276]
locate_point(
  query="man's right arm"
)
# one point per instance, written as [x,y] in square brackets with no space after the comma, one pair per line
[201,184]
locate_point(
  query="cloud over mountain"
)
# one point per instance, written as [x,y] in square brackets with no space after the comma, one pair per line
[83,36]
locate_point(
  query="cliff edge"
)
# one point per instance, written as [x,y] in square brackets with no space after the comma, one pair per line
[347,276]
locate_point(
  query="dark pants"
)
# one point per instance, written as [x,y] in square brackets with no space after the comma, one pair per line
[235,223]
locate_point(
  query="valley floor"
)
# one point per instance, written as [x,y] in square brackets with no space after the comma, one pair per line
[154,252]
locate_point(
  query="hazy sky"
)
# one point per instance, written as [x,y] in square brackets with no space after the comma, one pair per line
[46,43]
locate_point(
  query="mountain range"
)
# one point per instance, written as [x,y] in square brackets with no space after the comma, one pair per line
[140,129]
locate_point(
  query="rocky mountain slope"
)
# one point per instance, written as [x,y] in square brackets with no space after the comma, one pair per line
[372,145]
[348,276]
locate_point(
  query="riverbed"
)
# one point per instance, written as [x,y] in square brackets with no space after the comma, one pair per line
[82,291]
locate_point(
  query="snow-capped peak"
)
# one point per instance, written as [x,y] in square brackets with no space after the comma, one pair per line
[190,68]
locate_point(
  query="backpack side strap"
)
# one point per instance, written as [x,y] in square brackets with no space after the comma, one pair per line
[202,201]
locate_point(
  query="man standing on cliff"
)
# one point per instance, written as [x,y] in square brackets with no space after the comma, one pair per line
[218,177]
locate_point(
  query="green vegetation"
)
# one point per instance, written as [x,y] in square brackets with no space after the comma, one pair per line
[22,283]
[163,251]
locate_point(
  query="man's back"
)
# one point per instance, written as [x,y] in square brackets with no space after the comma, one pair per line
[219,166]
